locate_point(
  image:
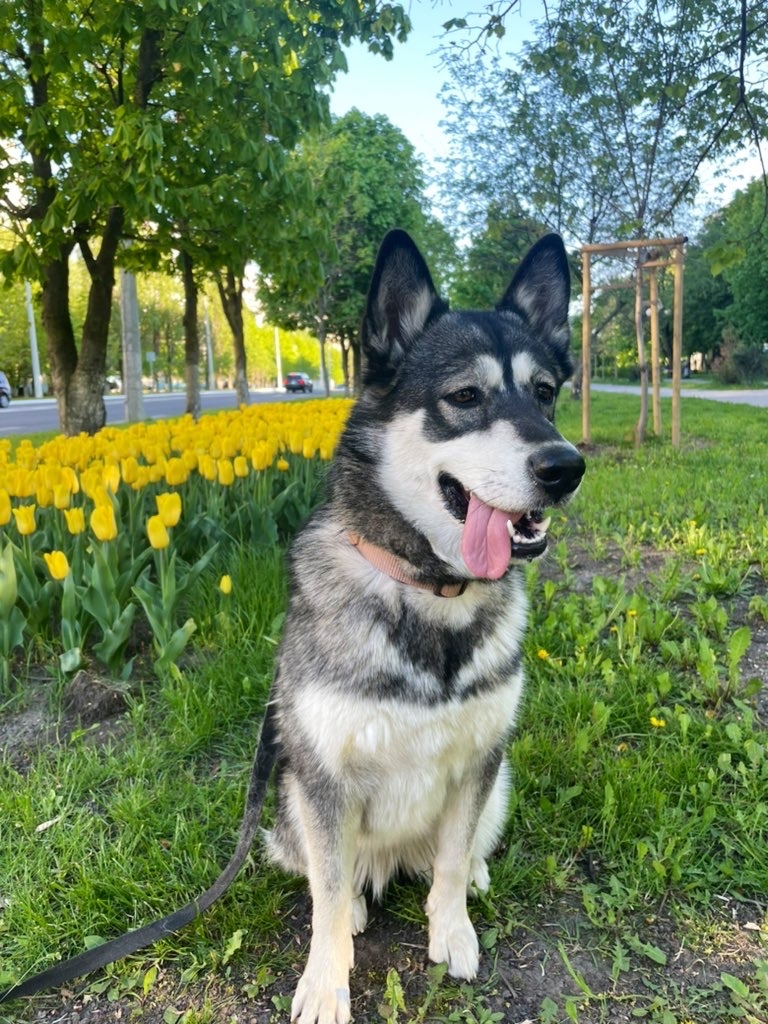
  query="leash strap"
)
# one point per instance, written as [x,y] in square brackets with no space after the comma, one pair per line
[93,959]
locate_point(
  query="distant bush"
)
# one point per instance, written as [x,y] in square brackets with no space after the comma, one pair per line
[740,364]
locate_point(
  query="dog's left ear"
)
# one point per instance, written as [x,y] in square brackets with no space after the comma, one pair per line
[401,302]
[541,290]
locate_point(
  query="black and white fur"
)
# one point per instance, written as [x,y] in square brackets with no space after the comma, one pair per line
[394,705]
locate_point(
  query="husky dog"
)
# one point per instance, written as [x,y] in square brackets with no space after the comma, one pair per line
[399,673]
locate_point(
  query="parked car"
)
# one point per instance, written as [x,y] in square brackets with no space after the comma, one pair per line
[5,391]
[298,382]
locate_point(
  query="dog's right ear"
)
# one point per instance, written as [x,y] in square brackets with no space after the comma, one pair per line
[401,302]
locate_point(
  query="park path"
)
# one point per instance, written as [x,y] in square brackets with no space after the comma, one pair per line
[752,396]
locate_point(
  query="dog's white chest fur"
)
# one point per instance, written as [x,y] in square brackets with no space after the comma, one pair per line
[403,759]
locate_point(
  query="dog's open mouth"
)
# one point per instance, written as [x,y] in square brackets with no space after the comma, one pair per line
[493,536]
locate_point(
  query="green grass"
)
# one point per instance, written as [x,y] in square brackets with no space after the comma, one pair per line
[640,764]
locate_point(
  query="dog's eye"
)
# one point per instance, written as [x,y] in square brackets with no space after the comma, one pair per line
[545,392]
[464,396]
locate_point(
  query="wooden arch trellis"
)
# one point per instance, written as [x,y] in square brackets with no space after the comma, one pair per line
[650,256]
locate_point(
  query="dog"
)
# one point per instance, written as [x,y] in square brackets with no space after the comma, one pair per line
[400,669]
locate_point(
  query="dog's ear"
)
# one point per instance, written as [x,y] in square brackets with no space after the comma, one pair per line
[401,302]
[541,290]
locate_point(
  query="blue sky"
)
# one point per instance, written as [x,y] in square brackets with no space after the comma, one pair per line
[406,88]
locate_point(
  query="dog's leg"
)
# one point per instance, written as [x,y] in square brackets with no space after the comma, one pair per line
[452,938]
[322,995]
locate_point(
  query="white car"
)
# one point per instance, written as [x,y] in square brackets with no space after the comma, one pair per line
[5,391]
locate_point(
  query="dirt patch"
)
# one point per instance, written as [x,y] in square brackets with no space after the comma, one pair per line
[88,703]
[530,975]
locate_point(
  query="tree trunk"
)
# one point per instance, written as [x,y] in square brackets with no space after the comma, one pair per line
[231,295]
[59,333]
[191,337]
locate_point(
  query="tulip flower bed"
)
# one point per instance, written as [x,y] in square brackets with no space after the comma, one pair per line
[97,530]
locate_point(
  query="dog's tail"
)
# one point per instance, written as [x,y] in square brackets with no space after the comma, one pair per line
[93,959]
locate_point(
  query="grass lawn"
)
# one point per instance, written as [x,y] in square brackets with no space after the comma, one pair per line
[632,881]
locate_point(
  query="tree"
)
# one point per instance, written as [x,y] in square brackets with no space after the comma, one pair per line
[601,124]
[706,294]
[747,277]
[364,178]
[96,101]
[484,271]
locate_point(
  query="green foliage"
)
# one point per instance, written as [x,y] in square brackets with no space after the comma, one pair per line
[487,265]
[707,293]
[364,179]
[745,222]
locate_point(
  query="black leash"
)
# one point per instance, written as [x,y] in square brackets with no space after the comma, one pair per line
[140,938]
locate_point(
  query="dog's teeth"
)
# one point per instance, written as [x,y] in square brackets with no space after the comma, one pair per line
[543,526]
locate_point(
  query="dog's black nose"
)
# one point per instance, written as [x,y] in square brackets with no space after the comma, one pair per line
[558,469]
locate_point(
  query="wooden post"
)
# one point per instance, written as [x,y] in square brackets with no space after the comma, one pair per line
[641,357]
[677,343]
[586,348]
[653,287]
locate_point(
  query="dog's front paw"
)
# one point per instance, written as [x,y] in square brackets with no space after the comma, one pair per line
[317,1004]
[457,946]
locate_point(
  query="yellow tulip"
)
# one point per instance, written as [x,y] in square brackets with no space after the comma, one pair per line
[283,465]
[157,533]
[241,466]
[129,470]
[225,584]
[111,477]
[5,507]
[62,496]
[206,467]
[75,518]
[25,519]
[57,563]
[103,522]
[169,508]
[43,495]
[260,456]
[225,472]
[176,472]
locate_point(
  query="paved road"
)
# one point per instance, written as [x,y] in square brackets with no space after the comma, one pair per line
[754,396]
[33,415]
[30,416]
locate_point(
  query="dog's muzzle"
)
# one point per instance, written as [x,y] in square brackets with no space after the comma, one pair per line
[557,470]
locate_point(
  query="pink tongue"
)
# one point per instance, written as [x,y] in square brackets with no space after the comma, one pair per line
[485,544]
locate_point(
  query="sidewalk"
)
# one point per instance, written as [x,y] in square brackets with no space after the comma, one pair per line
[753,396]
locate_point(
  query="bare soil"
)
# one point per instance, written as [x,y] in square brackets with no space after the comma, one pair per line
[526,976]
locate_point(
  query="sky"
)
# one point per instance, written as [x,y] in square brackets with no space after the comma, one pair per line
[406,88]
